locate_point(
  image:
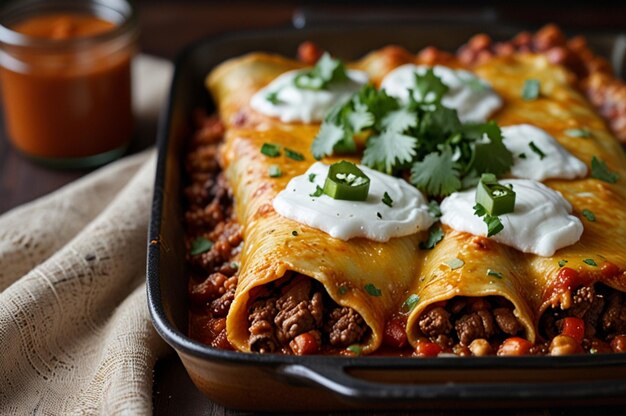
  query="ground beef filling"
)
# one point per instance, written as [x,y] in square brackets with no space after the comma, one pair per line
[462,320]
[298,312]
[295,317]
[603,311]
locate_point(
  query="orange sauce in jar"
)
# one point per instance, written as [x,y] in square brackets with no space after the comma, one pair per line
[69,95]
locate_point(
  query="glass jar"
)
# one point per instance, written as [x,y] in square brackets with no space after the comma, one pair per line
[65,71]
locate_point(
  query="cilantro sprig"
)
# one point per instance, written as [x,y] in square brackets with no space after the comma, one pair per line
[325,72]
[421,135]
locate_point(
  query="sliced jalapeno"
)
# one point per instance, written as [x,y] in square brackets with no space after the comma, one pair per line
[497,199]
[346,181]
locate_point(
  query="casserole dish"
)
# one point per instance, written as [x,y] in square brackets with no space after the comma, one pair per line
[288,383]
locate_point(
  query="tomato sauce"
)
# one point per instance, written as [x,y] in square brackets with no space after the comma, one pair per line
[70,98]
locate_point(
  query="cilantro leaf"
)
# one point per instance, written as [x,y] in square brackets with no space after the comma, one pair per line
[387,150]
[434,209]
[399,120]
[494,226]
[328,137]
[599,170]
[360,118]
[490,156]
[325,72]
[437,174]
[435,235]
[429,89]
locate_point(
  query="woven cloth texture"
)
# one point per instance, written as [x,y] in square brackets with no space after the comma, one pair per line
[75,332]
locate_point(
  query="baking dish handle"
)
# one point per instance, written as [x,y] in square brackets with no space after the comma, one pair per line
[337,379]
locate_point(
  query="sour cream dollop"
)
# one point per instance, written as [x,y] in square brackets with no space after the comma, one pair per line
[541,223]
[302,105]
[472,97]
[557,163]
[344,220]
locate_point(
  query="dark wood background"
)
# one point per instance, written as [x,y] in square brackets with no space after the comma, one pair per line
[167,26]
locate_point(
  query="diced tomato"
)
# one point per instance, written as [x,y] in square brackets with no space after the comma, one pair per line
[566,279]
[514,346]
[574,327]
[304,344]
[309,52]
[427,349]
[395,333]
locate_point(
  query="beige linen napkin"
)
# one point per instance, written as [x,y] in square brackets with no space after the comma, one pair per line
[75,333]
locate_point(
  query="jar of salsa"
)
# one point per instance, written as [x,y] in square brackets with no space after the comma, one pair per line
[66,79]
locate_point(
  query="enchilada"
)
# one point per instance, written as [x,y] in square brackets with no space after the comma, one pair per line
[353,295]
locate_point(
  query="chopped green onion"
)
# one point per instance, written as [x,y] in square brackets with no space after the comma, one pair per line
[590,262]
[562,263]
[387,200]
[272,97]
[435,235]
[355,349]
[292,154]
[372,290]
[455,263]
[312,177]
[537,150]
[347,182]
[270,150]
[274,171]
[410,303]
[318,191]
[495,198]
[343,290]
[599,170]
[234,265]
[494,273]
[582,133]
[589,215]
[200,245]
[531,89]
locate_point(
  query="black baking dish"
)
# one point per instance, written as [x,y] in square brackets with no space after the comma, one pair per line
[291,383]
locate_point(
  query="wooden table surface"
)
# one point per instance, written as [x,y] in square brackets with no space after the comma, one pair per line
[167,26]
